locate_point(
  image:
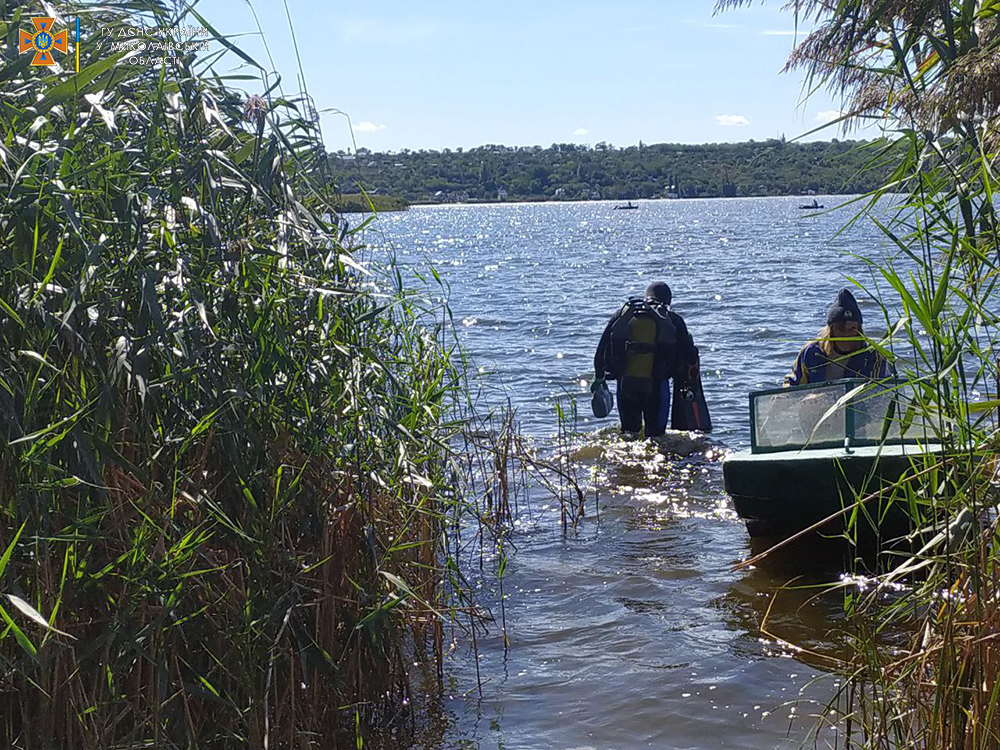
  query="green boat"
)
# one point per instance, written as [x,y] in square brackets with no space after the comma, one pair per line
[815,450]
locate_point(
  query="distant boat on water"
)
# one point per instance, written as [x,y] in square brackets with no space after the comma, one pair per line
[815,204]
[626,207]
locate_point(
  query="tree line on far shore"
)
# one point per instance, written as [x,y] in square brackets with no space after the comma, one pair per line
[579,172]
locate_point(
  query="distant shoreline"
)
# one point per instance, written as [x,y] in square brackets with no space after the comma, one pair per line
[359,203]
[635,201]
[499,174]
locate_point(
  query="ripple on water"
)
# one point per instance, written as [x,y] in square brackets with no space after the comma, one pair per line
[633,630]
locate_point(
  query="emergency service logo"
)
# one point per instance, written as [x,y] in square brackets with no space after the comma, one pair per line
[43,41]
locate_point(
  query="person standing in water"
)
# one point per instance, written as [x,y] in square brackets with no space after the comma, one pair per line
[839,350]
[643,345]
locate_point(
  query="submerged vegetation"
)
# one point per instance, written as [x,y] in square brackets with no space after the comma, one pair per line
[929,73]
[230,496]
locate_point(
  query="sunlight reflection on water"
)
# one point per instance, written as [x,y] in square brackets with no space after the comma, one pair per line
[634,631]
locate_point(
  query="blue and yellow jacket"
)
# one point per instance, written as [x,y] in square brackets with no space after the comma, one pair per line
[813,366]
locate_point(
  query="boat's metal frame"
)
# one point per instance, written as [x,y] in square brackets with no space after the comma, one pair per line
[783,488]
[850,412]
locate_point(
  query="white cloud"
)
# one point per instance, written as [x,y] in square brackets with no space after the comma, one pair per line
[829,116]
[732,120]
[781,32]
[368,127]
[580,131]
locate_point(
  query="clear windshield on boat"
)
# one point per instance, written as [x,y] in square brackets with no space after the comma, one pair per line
[823,415]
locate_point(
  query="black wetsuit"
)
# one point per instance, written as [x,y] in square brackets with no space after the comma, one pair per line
[649,404]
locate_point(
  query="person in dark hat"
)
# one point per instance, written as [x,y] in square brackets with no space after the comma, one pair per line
[643,345]
[839,350]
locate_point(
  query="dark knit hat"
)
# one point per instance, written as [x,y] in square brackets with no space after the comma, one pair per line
[659,291]
[845,307]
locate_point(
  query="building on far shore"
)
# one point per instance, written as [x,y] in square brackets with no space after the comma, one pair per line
[501,194]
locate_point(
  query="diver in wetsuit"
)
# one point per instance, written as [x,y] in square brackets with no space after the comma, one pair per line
[839,350]
[642,347]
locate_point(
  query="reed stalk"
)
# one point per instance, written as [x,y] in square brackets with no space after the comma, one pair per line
[925,655]
[230,493]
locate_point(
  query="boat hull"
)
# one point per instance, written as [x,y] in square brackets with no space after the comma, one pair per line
[782,493]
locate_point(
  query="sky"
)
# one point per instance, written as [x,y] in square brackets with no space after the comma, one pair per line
[432,75]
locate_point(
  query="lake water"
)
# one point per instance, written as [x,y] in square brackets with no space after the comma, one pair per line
[634,631]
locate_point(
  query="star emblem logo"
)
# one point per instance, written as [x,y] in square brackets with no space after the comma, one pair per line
[43,41]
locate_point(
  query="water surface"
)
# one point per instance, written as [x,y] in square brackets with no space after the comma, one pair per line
[633,630]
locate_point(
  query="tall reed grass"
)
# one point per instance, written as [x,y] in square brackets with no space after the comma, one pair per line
[230,485]
[925,656]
